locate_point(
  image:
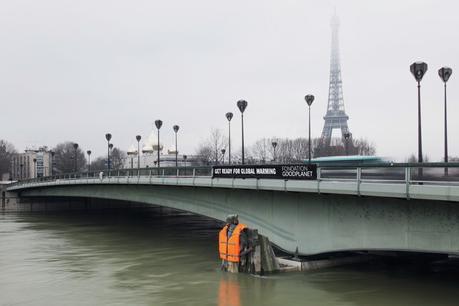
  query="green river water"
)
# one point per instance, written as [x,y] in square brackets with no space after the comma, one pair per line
[148,258]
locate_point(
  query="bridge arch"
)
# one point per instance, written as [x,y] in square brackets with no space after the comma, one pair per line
[313,223]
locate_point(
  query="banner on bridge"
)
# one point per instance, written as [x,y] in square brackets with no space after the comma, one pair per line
[286,172]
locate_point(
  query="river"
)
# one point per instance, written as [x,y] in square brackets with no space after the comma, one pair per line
[152,258]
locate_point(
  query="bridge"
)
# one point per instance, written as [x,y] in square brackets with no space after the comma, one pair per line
[387,207]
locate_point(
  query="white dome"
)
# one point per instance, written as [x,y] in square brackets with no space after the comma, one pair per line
[147,149]
[171,150]
[152,142]
[132,150]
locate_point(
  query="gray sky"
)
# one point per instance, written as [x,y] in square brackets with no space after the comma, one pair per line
[74,70]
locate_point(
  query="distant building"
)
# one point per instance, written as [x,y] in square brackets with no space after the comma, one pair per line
[31,164]
[149,155]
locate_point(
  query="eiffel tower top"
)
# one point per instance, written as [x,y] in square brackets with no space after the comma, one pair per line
[335,94]
[334,20]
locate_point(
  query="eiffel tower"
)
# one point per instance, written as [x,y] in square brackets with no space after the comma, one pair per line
[336,117]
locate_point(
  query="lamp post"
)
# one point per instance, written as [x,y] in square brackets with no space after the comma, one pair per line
[347,135]
[176,129]
[52,163]
[418,69]
[89,160]
[184,160]
[158,124]
[309,99]
[223,156]
[138,137]
[274,144]
[108,136]
[110,149]
[242,105]
[75,146]
[34,168]
[229,116]
[445,73]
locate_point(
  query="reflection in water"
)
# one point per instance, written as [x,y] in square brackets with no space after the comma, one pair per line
[229,291]
[152,259]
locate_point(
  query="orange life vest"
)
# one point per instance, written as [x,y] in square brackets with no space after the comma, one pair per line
[229,248]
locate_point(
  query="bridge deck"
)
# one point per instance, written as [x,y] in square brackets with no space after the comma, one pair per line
[433,191]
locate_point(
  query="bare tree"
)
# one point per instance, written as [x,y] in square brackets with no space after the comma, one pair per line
[64,158]
[413,158]
[337,147]
[117,158]
[363,147]
[7,151]
[209,151]
[99,164]
[296,150]
[259,151]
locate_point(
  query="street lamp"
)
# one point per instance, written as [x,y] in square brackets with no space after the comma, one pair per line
[229,116]
[75,146]
[184,160]
[445,73]
[158,124]
[274,144]
[138,137]
[309,99]
[176,129]
[110,149]
[223,156]
[89,160]
[347,135]
[52,162]
[418,69]
[108,136]
[34,168]
[242,105]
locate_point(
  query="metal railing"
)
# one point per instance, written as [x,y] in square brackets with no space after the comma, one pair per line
[403,173]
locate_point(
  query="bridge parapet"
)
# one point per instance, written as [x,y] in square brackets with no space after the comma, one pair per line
[387,180]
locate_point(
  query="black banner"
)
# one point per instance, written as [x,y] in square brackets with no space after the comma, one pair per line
[286,172]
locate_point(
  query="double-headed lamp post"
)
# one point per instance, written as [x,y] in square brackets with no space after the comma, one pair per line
[108,137]
[158,124]
[138,137]
[75,146]
[274,144]
[229,116]
[418,69]
[242,105]
[309,99]
[223,156]
[176,129]
[89,160]
[445,73]
[346,135]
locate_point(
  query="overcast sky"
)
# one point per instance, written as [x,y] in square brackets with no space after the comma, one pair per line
[75,70]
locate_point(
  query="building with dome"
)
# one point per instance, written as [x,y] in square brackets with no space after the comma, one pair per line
[149,155]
